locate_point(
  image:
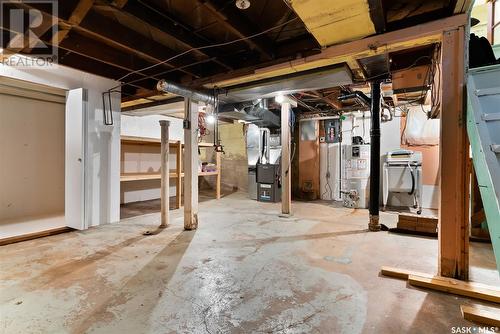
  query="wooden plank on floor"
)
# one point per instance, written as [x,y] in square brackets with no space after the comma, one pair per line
[35,235]
[483,315]
[457,287]
[400,273]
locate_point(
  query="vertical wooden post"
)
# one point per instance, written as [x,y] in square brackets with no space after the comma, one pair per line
[165,173]
[191,165]
[219,171]
[453,157]
[286,186]
[178,188]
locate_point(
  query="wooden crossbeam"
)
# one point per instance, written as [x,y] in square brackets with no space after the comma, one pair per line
[82,8]
[422,34]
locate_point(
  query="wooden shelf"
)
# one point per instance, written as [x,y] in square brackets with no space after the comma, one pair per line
[155,141]
[177,148]
[146,176]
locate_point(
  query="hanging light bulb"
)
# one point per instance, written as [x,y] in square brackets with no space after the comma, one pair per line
[279,98]
[210,119]
[242,4]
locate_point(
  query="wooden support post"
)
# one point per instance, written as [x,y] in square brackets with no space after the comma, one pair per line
[286,186]
[165,173]
[178,188]
[453,157]
[191,165]
[219,171]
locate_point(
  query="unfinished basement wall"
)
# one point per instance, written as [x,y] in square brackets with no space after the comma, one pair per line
[103,141]
[234,170]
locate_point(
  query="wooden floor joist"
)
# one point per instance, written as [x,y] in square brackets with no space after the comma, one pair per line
[483,315]
[457,287]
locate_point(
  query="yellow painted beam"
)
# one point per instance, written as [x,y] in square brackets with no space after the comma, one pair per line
[423,34]
[335,21]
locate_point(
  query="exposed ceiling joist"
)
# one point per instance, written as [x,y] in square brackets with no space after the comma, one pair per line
[78,14]
[239,26]
[96,26]
[423,34]
[377,15]
[173,28]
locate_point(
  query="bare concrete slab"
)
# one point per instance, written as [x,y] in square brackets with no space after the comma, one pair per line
[245,270]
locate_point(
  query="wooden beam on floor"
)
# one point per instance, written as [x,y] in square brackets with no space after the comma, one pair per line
[444,284]
[400,273]
[457,287]
[453,231]
[34,235]
[191,165]
[483,315]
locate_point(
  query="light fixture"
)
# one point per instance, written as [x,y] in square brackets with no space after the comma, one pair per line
[210,119]
[242,4]
[279,98]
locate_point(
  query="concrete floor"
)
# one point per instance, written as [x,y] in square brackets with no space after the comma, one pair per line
[245,270]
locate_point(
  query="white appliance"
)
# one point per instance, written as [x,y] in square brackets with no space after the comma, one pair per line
[329,171]
[355,188]
[402,173]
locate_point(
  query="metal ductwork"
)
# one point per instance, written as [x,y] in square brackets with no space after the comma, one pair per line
[254,112]
[267,116]
[170,87]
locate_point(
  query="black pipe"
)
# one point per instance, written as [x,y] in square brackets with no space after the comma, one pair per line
[357,94]
[374,224]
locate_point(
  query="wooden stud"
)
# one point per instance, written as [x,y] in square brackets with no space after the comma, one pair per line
[484,315]
[178,188]
[165,173]
[286,186]
[454,194]
[219,171]
[191,165]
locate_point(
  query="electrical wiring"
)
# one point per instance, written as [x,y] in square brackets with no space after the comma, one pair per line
[204,48]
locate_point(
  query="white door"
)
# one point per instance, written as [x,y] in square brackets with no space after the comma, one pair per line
[76,125]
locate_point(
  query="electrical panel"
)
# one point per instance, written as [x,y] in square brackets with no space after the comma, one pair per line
[332,131]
